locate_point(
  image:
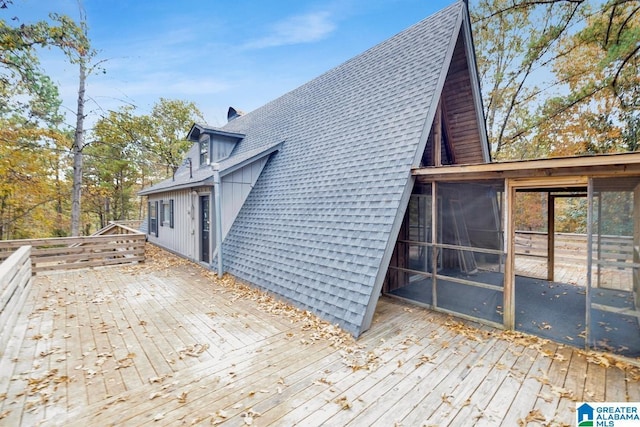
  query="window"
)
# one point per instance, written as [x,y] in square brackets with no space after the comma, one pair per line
[153,218]
[166,213]
[204,150]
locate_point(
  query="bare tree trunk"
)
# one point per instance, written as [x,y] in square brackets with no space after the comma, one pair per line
[78,144]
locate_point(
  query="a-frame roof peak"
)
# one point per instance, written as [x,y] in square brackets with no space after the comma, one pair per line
[319,226]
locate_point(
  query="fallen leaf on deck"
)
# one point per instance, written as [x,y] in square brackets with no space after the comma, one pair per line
[183,397]
[126,362]
[534,415]
[198,420]
[194,350]
[323,381]
[425,358]
[343,402]
[546,397]
[562,392]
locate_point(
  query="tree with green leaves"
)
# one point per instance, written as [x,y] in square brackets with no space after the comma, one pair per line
[129,152]
[30,125]
[168,125]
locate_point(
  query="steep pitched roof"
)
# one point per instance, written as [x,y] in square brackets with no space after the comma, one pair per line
[319,226]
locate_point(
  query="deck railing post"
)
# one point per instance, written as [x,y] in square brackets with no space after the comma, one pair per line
[589,261]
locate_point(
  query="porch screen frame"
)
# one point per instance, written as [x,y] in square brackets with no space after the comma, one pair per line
[511,186]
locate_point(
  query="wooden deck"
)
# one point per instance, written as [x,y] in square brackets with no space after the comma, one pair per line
[164,343]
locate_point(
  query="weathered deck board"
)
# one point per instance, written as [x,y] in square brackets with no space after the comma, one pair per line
[396,358]
[116,346]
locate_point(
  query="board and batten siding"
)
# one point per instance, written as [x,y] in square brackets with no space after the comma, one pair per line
[235,189]
[183,237]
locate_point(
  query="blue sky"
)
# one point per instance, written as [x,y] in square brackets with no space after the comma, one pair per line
[216,53]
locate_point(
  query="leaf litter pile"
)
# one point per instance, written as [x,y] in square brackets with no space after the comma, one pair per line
[42,386]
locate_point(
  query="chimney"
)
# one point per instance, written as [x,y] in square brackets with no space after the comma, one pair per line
[233,113]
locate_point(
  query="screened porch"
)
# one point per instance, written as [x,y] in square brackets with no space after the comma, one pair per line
[547,247]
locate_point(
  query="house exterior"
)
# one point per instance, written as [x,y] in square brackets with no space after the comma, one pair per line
[373,178]
[314,184]
[179,210]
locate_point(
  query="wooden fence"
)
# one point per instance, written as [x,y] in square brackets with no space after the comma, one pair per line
[15,282]
[65,253]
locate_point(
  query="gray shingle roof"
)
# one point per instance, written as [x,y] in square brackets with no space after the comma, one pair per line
[317,225]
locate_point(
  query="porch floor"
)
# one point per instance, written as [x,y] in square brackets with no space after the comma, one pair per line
[550,310]
[166,343]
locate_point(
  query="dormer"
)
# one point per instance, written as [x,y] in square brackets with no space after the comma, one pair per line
[214,144]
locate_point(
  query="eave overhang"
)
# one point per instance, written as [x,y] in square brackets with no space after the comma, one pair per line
[197,130]
[603,165]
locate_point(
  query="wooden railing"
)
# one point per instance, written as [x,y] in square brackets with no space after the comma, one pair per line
[15,282]
[65,253]
[572,247]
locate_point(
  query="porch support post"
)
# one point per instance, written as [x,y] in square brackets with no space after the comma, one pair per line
[587,339]
[218,214]
[434,241]
[551,236]
[509,239]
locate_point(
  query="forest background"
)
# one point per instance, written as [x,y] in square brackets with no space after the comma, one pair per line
[558,77]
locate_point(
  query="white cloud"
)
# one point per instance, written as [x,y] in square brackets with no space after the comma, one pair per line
[297,29]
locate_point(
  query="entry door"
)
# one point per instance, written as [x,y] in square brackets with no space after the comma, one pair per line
[205,224]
